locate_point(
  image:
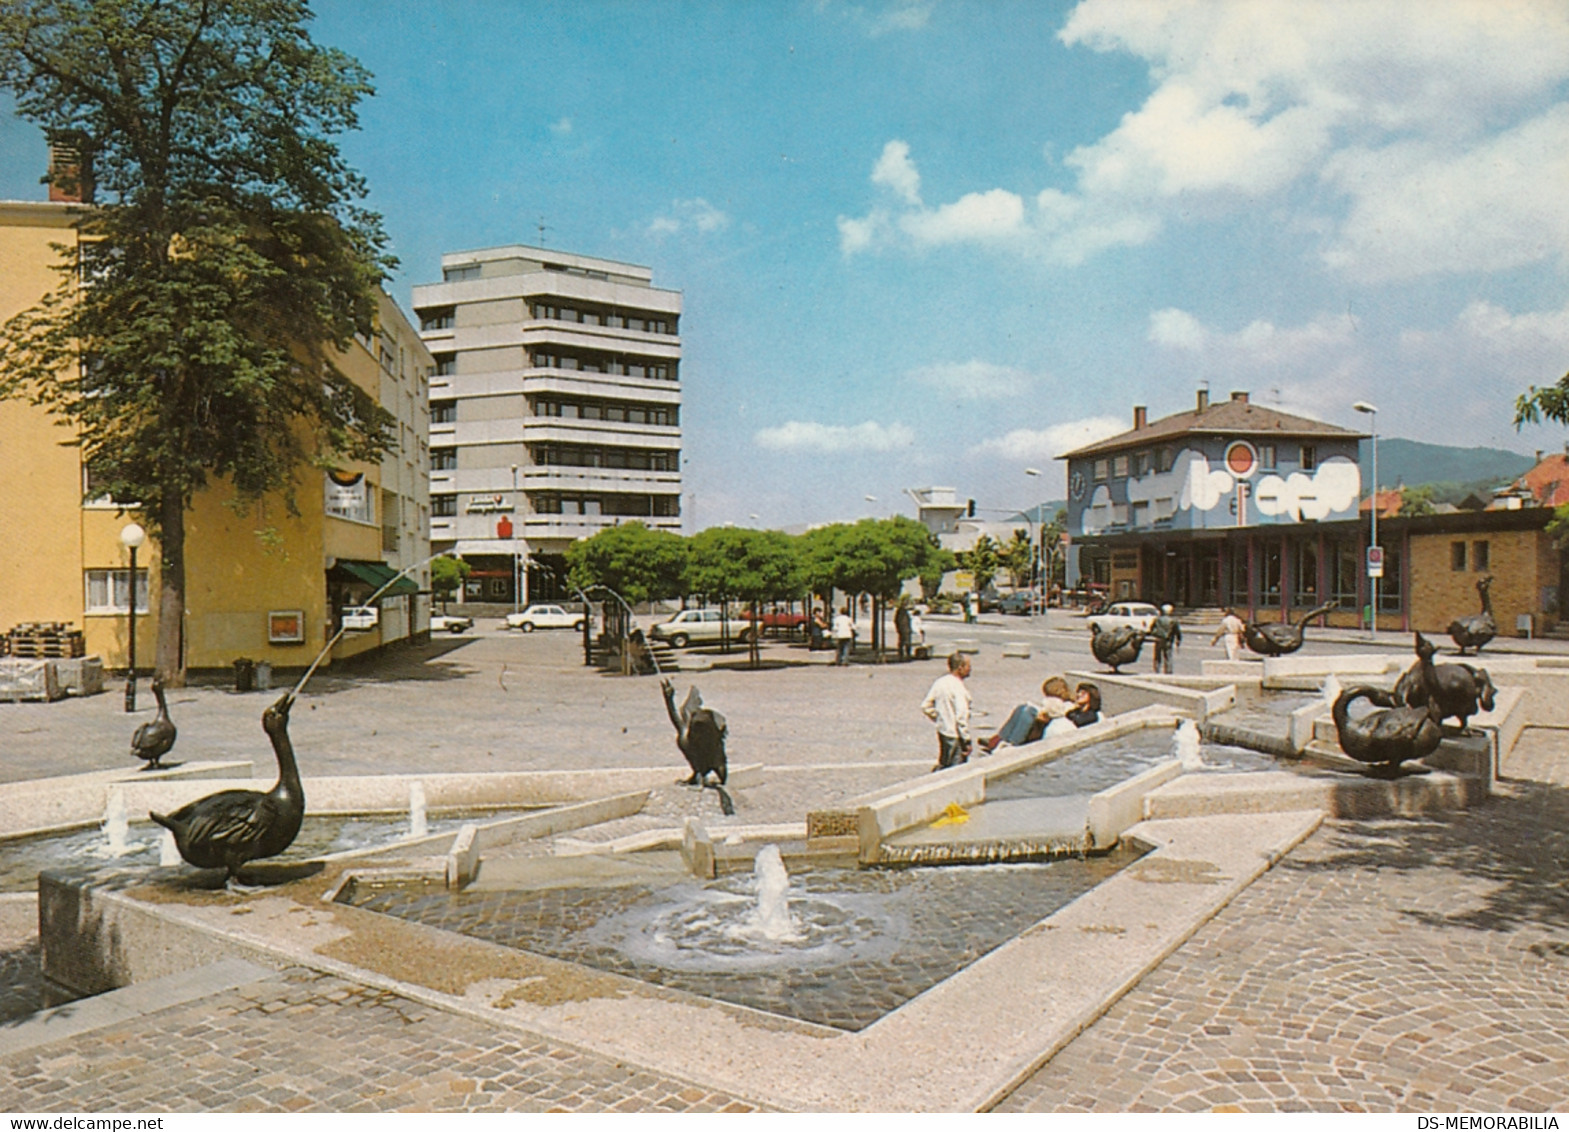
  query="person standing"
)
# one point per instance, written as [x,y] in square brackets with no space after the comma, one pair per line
[901,627]
[818,628]
[1232,629]
[948,706]
[843,635]
[1167,635]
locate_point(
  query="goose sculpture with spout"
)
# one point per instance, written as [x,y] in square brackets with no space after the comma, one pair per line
[1116,646]
[1279,638]
[155,739]
[231,828]
[1388,737]
[1459,690]
[1475,631]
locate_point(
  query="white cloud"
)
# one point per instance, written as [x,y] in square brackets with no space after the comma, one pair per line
[975,380]
[1049,443]
[689,215]
[561,126]
[810,436]
[886,17]
[1178,329]
[1260,343]
[1429,142]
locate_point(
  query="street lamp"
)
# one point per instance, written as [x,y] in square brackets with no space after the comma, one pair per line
[1372,412]
[1040,553]
[131,537]
[517,516]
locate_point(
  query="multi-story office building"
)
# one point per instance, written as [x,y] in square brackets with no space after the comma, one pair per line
[267,582]
[555,409]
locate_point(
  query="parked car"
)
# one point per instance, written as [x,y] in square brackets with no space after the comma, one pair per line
[358,618]
[1140,614]
[790,622]
[544,617]
[450,623]
[1021,602]
[692,625]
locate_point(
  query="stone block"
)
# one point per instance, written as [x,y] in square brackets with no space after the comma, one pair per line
[81,676]
[29,680]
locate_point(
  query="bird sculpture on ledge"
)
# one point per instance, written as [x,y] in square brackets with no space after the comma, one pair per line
[1279,638]
[1116,647]
[155,739]
[1475,631]
[1459,690]
[1388,737]
[231,828]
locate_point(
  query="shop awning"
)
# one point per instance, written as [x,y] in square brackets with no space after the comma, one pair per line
[373,574]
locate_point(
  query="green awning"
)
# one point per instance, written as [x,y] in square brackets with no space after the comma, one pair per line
[373,574]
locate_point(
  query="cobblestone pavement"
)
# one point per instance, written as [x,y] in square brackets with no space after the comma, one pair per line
[1384,966]
[306,1042]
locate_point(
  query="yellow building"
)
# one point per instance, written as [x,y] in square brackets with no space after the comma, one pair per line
[261,584]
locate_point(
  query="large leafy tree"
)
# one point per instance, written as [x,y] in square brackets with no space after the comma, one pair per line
[224,267]
[637,562]
[1551,401]
[734,563]
[873,556]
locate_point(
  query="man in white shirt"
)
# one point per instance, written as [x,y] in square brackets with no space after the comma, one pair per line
[1232,629]
[948,706]
[843,635]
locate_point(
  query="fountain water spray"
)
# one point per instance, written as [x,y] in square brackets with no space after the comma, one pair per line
[772,919]
[117,824]
[1331,690]
[1185,746]
[168,851]
[419,825]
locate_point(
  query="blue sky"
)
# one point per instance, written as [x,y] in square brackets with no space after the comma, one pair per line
[936,242]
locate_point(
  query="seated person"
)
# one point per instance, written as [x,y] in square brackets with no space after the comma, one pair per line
[1028,722]
[1087,711]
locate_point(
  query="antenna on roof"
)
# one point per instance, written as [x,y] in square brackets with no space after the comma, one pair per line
[542,230]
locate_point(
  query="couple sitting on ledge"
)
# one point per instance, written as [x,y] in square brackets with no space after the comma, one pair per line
[1060,710]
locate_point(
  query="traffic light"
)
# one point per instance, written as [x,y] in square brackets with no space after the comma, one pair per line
[971,514]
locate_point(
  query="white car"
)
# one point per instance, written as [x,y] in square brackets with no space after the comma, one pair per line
[544,617]
[695,625]
[1140,614]
[359,618]
[450,623]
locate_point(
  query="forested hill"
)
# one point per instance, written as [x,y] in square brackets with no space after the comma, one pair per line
[1414,463]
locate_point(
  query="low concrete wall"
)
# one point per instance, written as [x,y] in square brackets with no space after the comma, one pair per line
[44,805]
[1122,694]
[1306,673]
[1116,810]
[1343,796]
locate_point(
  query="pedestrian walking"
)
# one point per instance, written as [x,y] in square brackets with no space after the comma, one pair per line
[1232,629]
[1167,635]
[948,706]
[843,635]
[901,627]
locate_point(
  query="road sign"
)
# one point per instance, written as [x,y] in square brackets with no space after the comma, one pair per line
[1375,562]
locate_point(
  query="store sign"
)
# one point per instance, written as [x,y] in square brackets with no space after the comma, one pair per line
[487,504]
[1375,562]
[286,626]
[348,497]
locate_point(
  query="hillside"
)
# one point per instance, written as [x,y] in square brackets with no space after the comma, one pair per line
[1414,463]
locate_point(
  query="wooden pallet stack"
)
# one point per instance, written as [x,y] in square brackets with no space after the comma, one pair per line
[46,640]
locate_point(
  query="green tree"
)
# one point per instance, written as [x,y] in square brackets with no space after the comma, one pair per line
[1551,402]
[637,562]
[1017,557]
[227,263]
[1416,501]
[873,556]
[983,560]
[737,564]
[447,576]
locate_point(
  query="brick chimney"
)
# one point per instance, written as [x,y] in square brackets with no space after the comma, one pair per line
[1203,399]
[70,176]
[1140,416]
[1239,395]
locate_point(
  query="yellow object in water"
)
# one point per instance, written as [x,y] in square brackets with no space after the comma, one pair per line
[955,814]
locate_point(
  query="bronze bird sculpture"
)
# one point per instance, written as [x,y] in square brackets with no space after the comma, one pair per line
[1459,690]
[155,739]
[1279,638]
[700,734]
[1388,737]
[1116,647]
[231,828]
[1475,631]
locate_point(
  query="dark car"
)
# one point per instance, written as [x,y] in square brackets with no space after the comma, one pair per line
[1019,603]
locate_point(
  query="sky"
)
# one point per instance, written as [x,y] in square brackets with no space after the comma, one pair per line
[938,242]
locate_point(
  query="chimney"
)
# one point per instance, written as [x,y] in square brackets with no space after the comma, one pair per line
[1203,399]
[1539,454]
[70,176]
[1239,395]
[1141,417]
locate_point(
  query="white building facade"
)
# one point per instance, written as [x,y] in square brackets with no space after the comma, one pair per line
[555,410]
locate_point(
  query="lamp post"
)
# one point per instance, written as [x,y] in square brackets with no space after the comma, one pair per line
[131,537]
[1372,413]
[1040,554]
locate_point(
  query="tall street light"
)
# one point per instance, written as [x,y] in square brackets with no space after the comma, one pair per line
[131,537]
[517,515]
[1374,550]
[1040,553]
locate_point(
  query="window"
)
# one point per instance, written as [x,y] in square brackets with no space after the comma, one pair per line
[1269,593]
[1100,470]
[441,319]
[1141,463]
[446,365]
[1163,460]
[443,459]
[1304,574]
[1481,555]
[463,271]
[1344,566]
[443,412]
[1266,457]
[109,591]
[1239,576]
[1119,466]
[443,506]
[1457,555]
[1309,457]
[1389,588]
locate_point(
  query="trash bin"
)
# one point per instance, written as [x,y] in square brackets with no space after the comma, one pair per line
[244,674]
[263,676]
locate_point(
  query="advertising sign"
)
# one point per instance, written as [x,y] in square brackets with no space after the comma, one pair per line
[348,497]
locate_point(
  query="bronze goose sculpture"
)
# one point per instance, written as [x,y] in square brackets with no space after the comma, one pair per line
[155,739]
[231,828]
[1475,631]
[1116,647]
[1279,638]
[1458,689]
[1388,737]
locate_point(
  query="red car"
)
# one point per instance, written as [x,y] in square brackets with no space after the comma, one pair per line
[789,622]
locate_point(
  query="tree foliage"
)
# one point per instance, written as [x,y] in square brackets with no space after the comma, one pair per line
[637,562]
[1017,557]
[734,563]
[224,267]
[1416,501]
[447,576]
[983,560]
[1551,402]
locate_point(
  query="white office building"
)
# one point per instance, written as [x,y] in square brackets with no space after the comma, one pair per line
[555,410]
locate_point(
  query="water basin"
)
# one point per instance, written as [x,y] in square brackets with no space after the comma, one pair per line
[1091,769]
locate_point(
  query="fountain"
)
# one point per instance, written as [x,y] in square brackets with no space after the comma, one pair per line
[419,825]
[117,825]
[1185,746]
[168,851]
[771,918]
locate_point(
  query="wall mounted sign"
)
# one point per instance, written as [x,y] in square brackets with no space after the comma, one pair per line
[485,504]
[1241,459]
[286,627]
[348,497]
